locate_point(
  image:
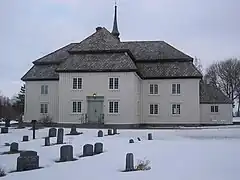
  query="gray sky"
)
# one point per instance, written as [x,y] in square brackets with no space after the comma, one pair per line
[29,29]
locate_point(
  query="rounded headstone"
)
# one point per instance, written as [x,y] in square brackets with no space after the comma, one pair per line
[4,130]
[150,136]
[100,133]
[129,162]
[28,153]
[60,136]
[110,132]
[52,132]
[131,141]
[88,150]
[25,138]
[66,153]
[47,141]
[98,148]
[14,147]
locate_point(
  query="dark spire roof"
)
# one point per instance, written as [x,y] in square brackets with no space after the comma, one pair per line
[115,31]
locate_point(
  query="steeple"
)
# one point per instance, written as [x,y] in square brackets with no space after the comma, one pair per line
[115,31]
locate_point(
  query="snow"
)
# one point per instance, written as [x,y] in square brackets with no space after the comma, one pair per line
[11,122]
[183,154]
[236,119]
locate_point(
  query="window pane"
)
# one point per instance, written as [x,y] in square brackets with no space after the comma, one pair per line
[212,108]
[173,88]
[110,83]
[156,89]
[178,89]
[110,107]
[46,108]
[151,109]
[41,108]
[42,89]
[79,83]
[156,109]
[74,83]
[115,107]
[178,109]
[116,83]
[74,107]
[151,88]
[79,106]
[216,108]
[173,108]
[46,89]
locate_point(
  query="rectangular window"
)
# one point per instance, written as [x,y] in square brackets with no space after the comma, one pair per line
[154,109]
[176,89]
[76,106]
[43,108]
[113,107]
[77,83]
[214,109]
[44,89]
[113,83]
[153,89]
[176,109]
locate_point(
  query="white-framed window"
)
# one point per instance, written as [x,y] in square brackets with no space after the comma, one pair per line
[44,108]
[153,109]
[176,109]
[77,83]
[76,106]
[176,88]
[153,89]
[44,89]
[113,83]
[214,109]
[113,107]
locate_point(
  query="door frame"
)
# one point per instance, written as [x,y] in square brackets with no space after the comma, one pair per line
[95,99]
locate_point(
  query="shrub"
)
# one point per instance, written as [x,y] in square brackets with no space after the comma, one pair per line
[2,172]
[46,120]
[143,165]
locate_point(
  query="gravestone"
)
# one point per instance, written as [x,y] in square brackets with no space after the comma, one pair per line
[129,162]
[138,139]
[115,131]
[4,130]
[60,135]
[47,141]
[52,132]
[25,138]
[131,141]
[74,130]
[14,147]
[34,128]
[110,132]
[88,150]
[100,133]
[150,136]
[98,148]
[28,160]
[7,123]
[66,153]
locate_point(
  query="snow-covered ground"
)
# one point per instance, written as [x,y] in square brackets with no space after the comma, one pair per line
[236,119]
[200,154]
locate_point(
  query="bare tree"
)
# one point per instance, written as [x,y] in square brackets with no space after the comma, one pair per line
[197,62]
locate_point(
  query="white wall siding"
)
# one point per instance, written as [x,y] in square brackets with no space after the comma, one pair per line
[98,83]
[189,100]
[223,116]
[34,98]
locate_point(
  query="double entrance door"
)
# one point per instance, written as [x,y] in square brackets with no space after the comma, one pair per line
[95,109]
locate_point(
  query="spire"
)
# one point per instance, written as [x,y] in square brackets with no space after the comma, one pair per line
[115,31]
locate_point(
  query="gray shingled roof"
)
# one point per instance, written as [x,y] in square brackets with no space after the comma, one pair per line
[98,62]
[154,50]
[41,72]
[168,70]
[56,56]
[212,95]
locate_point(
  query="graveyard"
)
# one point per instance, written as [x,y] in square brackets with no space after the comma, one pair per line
[62,153]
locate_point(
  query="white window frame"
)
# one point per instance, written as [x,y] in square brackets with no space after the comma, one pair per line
[154,113]
[79,86]
[153,86]
[44,89]
[45,108]
[77,106]
[114,83]
[215,108]
[177,89]
[177,113]
[114,101]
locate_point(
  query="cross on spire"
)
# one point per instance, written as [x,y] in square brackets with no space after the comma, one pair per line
[115,31]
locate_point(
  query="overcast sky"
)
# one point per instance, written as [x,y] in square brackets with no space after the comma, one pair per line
[29,29]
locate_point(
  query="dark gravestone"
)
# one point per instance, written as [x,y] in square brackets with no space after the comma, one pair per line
[110,132]
[138,139]
[34,128]
[88,150]
[52,132]
[115,131]
[60,135]
[73,130]
[4,130]
[150,136]
[7,123]
[98,148]
[129,162]
[131,141]
[14,147]
[100,133]
[47,141]
[28,160]
[66,153]
[25,138]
